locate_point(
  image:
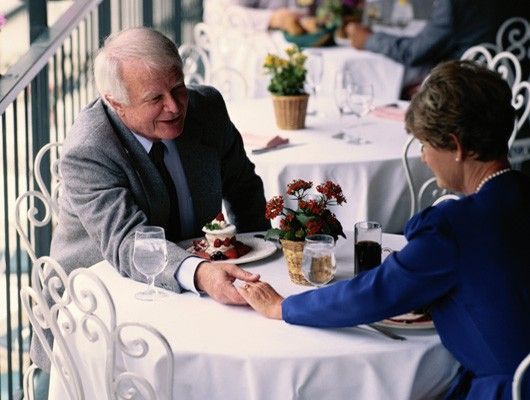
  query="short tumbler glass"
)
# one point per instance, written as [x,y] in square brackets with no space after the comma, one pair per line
[318,262]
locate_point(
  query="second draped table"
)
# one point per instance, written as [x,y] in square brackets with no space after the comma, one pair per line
[371,174]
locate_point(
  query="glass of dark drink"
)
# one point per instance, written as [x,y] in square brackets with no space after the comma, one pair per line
[368,250]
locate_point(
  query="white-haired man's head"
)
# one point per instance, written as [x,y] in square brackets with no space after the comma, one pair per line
[155,51]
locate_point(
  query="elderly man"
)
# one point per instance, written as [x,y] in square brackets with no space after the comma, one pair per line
[111,183]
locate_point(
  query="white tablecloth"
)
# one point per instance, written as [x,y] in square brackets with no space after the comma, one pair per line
[231,352]
[371,175]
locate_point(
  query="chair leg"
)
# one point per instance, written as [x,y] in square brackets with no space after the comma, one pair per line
[27,382]
[35,383]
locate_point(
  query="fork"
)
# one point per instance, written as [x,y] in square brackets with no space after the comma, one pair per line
[386,332]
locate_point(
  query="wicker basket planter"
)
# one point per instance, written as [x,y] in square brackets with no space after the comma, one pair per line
[293,253]
[290,111]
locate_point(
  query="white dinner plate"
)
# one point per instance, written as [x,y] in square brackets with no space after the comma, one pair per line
[260,248]
[387,323]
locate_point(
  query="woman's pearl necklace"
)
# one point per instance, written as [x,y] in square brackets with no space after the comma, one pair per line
[490,177]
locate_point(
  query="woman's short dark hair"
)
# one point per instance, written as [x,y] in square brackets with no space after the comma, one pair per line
[469,101]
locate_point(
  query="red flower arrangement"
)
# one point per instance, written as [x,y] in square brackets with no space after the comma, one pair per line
[312,216]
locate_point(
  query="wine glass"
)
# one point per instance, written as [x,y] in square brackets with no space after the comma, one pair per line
[318,260]
[315,70]
[342,93]
[149,257]
[361,98]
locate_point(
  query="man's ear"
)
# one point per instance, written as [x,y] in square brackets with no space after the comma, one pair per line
[117,106]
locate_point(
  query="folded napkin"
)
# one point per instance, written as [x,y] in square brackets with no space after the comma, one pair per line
[389,112]
[263,142]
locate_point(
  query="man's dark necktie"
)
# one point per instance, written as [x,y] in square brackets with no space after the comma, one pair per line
[156,154]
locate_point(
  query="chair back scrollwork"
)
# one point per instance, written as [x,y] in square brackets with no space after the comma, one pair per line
[78,312]
[514,36]
[230,82]
[40,206]
[508,66]
[196,64]
[426,194]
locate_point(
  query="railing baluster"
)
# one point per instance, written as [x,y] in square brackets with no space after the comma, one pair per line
[7,257]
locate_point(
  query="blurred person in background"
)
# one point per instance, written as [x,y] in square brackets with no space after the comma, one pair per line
[453,27]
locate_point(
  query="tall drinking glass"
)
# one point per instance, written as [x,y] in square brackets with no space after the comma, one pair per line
[315,70]
[149,257]
[361,98]
[318,261]
[367,238]
[342,94]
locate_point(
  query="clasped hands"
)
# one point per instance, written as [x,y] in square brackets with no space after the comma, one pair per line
[217,280]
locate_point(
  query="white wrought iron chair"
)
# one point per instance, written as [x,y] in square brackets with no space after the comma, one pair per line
[508,66]
[79,313]
[514,36]
[196,64]
[423,194]
[521,370]
[202,36]
[40,206]
[230,82]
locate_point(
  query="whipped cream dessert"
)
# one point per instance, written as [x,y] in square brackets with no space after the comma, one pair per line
[219,234]
[219,242]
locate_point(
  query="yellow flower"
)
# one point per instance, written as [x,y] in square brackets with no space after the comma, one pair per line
[287,74]
[291,50]
[269,60]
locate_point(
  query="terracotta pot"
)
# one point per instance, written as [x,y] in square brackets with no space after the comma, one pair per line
[293,254]
[290,111]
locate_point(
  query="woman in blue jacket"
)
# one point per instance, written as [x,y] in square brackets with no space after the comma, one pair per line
[468,260]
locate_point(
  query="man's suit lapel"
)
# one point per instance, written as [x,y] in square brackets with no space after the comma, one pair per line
[157,197]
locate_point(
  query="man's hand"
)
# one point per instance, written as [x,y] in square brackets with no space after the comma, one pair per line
[287,20]
[217,281]
[263,298]
[358,34]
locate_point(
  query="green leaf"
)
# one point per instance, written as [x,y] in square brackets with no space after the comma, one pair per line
[304,219]
[273,233]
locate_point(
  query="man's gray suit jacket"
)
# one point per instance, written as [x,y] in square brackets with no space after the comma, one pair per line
[110,186]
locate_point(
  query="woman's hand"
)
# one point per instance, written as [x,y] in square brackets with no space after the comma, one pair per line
[262,298]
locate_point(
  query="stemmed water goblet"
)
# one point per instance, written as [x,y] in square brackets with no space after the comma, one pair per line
[361,98]
[149,257]
[315,70]
[342,94]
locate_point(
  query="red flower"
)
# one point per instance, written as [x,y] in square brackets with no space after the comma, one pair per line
[332,191]
[298,185]
[287,222]
[312,215]
[274,207]
[312,206]
[314,226]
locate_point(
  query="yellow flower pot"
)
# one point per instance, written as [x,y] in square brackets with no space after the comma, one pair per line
[290,111]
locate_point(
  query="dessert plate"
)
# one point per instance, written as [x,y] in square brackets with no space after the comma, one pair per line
[260,248]
[407,322]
